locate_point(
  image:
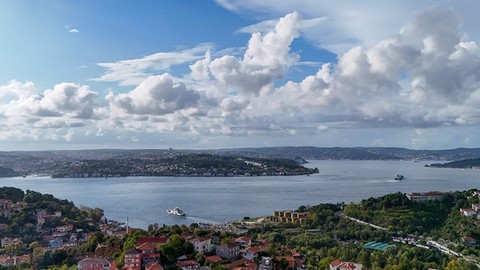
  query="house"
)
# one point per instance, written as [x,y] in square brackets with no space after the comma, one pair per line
[133,259]
[213,259]
[476,193]
[188,265]
[425,196]
[240,263]
[266,264]
[476,206]
[96,264]
[64,229]
[201,244]
[289,216]
[5,241]
[468,212]
[154,266]
[339,265]
[470,240]
[244,241]
[145,248]
[252,252]
[142,255]
[229,251]
[150,258]
[154,241]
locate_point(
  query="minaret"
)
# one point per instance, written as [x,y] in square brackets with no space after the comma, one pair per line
[126,226]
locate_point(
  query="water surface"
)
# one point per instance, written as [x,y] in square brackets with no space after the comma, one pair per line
[145,200]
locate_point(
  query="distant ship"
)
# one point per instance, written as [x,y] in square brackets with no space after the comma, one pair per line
[176,212]
[399,177]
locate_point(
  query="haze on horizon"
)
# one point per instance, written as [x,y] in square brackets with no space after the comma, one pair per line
[227,74]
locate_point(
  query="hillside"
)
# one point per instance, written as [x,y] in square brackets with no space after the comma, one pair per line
[44,162]
[473,163]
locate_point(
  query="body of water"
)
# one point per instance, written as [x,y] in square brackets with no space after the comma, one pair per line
[145,200]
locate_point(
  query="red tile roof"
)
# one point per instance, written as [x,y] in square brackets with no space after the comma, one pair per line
[187,263]
[152,240]
[153,266]
[256,249]
[237,263]
[336,263]
[213,258]
[146,247]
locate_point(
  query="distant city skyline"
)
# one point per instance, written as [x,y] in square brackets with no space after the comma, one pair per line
[227,74]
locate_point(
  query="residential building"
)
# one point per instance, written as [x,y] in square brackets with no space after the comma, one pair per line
[201,244]
[229,251]
[154,241]
[425,196]
[252,252]
[244,241]
[153,266]
[96,264]
[289,216]
[240,263]
[468,212]
[213,259]
[469,240]
[339,265]
[133,259]
[188,265]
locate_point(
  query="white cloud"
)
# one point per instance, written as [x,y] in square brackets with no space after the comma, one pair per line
[425,77]
[134,71]
[157,95]
[71,29]
[351,23]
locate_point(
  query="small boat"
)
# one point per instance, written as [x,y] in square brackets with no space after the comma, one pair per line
[399,177]
[176,212]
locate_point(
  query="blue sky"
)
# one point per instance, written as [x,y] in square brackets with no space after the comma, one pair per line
[217,74]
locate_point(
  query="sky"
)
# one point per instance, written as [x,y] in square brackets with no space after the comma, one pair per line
[204,74]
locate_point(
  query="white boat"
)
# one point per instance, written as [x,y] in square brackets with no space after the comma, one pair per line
[176,212]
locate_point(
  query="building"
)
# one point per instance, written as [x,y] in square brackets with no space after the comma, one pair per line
[133,259]
[188,265]
[213,259]
[468,212]
[96,264]
[425,196]
[153,266]
[244,241]
[142,255]
[154,241]
[201,244]
[289,216]
[251,253]
[339,265]
[229,251]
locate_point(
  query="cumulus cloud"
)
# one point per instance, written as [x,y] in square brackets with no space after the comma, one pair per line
[27,110]
[427,75]
[157,95]
[267,57]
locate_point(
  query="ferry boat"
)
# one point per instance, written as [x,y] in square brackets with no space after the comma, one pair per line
[176,212]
